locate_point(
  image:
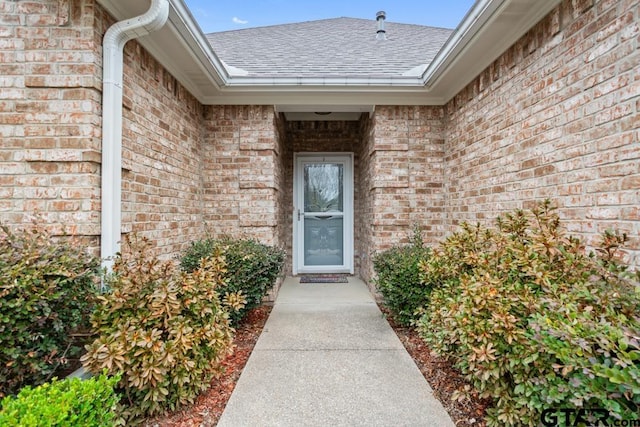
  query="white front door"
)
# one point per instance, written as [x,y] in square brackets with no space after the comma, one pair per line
[323,213]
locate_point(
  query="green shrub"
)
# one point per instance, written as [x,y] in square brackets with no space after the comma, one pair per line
[591,333]
[398,278]
[68,403]
[46,293]
[252,267]
[165,331]
[532,321]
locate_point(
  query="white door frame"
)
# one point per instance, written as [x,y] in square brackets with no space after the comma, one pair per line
[298,212]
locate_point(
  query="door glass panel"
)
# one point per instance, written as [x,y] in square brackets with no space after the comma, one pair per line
[323,214]
[323,187]
[323,243]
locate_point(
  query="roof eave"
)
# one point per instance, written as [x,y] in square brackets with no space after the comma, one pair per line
[485,33]
[326,96]
[319,82]
[180,46]
[490,27]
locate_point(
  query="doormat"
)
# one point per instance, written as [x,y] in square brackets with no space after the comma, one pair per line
[324,278]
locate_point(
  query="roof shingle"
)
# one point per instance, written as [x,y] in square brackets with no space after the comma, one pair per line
[329,48]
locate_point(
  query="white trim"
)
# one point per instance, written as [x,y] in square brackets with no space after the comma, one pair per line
[348,214]
[478,15]
[111,197]
[490,27]
[486,32]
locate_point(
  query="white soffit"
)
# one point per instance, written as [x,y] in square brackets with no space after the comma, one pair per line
[484,34]
[457,64]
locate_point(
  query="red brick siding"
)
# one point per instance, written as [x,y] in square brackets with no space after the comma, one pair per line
[402,177]
[242,172]
[162,152]
[555,117]
[50,114]
[364,208]
[285,200]
[50,123]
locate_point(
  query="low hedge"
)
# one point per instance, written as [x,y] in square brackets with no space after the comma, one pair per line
[252,268]
[398,278]
[65,403]
[533,321]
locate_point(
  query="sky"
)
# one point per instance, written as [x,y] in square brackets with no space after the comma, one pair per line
[213,16]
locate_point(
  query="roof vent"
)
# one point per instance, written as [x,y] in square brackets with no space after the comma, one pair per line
[381,34]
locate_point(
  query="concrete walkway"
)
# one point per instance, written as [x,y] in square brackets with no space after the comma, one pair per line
[327,357]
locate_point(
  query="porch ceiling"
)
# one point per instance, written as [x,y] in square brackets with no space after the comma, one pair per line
[324,112]
[490,27]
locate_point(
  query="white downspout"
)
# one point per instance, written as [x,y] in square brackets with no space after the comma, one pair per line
[113,45]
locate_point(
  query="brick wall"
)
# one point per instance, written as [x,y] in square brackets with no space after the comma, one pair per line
[285,200]
[177,175]
[364,207]
[402,177]
[556,116]
[50,83]
[242,175]
[50,124]
[162,152]
[407,179]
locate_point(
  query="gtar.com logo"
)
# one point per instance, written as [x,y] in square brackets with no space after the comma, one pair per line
[583,417]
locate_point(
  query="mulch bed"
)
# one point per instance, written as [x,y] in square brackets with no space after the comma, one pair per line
[442,377]
[209,405]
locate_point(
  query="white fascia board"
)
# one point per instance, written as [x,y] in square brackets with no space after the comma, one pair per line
[180,46]
[473,46]
[479,14]
[326,98]
[322,83]
[487,31]
[184,24]
[490,27]
[189,46]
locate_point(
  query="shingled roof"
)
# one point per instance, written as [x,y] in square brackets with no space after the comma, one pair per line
[329,47]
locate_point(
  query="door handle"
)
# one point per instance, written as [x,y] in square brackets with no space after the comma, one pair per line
[324,216]
[299,214]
